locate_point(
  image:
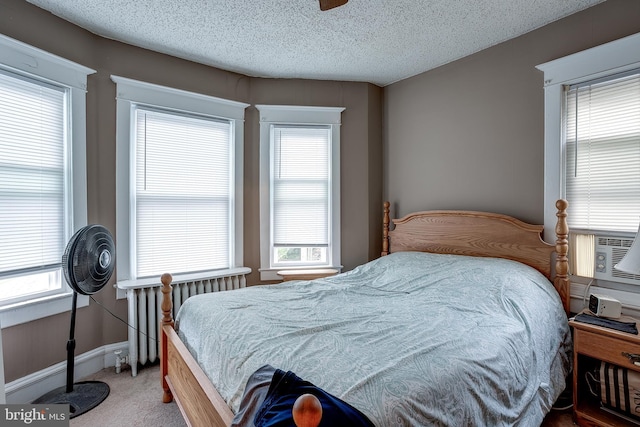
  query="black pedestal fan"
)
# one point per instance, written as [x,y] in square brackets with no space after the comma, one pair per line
[88,262]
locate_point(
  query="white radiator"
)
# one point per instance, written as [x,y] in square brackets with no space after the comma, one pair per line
[145,314]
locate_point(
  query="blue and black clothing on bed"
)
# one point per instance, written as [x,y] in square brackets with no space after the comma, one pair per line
[270,394]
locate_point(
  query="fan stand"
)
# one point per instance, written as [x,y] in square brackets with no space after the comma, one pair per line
[81,396]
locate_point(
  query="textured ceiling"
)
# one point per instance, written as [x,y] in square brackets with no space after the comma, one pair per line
[377,41]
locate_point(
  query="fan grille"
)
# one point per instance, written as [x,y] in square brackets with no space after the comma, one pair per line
[89,259]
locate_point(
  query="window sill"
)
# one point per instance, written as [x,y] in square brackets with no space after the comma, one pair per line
[29,311]
[310,274]
[272,274]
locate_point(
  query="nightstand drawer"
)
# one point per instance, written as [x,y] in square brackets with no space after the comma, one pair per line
[606,348]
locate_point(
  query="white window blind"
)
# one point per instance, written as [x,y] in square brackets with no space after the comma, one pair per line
[301,183]
[183,192]
[602,133]
[32,183]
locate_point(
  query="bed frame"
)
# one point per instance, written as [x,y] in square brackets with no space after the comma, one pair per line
[451,232]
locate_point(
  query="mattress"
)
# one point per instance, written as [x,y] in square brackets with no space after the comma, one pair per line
[410,339]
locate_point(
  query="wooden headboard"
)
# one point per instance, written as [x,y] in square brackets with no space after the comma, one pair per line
[483,234]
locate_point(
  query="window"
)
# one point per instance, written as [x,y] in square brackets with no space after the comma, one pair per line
[182,193]
[602,164]
[300,194]
[300,181]
[592,153]
[179,181]
[591,80]
[42,178]
[32,175]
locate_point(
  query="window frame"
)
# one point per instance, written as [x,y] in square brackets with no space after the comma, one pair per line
[133,92]
[284,115]
[601,61]
[23,59]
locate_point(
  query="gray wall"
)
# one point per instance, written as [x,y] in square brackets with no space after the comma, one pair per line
[469,135]
[39,344]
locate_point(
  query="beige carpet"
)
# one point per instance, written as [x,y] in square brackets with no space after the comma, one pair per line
[132,401]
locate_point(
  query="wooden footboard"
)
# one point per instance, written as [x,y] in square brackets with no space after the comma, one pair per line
[182,377]
[183,380]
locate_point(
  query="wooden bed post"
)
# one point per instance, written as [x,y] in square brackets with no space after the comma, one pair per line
[167,320]
[561,280]
[385,229]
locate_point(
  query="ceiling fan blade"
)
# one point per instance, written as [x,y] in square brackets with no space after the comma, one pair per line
[330,4]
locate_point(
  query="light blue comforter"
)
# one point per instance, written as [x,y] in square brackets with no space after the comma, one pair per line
[410,339]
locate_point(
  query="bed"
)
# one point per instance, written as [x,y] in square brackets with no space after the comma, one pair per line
[462,321]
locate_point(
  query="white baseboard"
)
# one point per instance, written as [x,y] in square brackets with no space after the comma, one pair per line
[32,386]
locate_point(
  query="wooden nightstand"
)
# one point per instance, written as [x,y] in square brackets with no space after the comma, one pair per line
[307,274]
[592,344]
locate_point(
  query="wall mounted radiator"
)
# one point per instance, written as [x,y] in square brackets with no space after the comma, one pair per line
[144,299]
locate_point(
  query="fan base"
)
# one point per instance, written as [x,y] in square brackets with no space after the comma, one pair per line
[85,396]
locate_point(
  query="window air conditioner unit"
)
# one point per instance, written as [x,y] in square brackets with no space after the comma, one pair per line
[609,252]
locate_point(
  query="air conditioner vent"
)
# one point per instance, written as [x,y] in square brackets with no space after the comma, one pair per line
[615,241]
[609,252]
